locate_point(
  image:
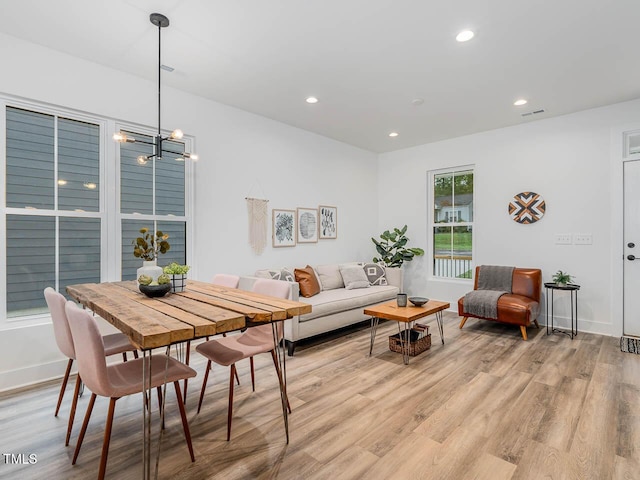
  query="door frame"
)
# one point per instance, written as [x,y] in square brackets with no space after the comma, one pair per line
[618,158]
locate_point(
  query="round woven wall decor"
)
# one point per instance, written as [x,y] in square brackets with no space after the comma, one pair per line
[527,207]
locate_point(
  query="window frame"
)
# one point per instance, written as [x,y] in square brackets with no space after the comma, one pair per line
[108,203]
[431,221]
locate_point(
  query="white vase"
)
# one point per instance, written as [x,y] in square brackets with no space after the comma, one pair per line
[151,269]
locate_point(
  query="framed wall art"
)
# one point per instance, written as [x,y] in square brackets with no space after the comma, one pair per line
[307,225]
[328,221]
[283,231]
[527,207]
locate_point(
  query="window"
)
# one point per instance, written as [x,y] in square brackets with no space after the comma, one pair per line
[452,223]
[53,220]
[152,195]
[63,224]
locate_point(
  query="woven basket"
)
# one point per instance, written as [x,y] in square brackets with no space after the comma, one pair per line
[415,348]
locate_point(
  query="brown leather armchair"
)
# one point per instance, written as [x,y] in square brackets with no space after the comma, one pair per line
[521,307]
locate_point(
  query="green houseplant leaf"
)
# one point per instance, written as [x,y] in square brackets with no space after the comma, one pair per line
[392,248]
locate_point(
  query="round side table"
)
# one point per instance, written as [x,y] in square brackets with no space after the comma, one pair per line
[572,288]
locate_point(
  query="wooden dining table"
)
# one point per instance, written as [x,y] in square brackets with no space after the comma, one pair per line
[201,310]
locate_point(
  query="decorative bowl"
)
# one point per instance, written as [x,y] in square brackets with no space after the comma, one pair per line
[154,291]
[418,301]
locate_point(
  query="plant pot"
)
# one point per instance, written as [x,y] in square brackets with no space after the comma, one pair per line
[151,269]
[178,282]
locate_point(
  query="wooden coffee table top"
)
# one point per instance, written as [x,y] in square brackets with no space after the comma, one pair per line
[391,310]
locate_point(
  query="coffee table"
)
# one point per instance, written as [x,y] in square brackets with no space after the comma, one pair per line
[407,315]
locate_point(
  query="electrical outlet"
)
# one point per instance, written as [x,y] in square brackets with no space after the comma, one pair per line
[563,239]
[582,239]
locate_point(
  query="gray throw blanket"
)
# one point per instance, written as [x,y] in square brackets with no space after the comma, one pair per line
[493,282]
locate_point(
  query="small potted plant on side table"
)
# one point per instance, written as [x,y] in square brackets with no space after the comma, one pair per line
[178,275]
[562,279]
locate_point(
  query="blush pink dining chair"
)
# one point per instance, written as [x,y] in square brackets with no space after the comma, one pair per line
[222,280]
[227,351]
[117,381]
[113,344]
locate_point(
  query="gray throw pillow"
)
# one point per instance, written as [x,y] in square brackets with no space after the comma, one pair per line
[375,273]
[354,277]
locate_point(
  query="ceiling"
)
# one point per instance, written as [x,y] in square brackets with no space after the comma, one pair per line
[365,60]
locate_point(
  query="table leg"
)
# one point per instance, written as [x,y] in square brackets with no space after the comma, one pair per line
[282,374]
[146,414]
[374,328]
[405,341]
[161,406]
[440,325]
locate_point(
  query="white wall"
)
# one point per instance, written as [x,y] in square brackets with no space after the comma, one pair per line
[241,155]
[565,159]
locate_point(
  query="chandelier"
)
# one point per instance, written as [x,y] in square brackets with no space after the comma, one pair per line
[159,21]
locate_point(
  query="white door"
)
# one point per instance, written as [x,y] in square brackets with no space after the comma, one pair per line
[631,321]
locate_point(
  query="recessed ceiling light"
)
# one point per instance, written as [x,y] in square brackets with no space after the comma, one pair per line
[312,100]
[416,102]
[465,36]
[393,134]
[520,102]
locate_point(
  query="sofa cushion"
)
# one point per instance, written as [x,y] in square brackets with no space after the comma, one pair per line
[306,277]
[375,273]
[354,277]
[282,274]
[330,277]
[339,300]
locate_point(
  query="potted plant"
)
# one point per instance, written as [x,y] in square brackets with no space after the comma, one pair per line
[178,276]
[154,289]
[392,249]
[148,247]
[561,279]
[394,252]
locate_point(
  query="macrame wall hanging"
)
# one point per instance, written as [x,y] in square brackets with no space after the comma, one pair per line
[257,210]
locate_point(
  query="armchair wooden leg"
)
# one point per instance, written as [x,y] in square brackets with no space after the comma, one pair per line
[64,385]
[464,320]
[523,330]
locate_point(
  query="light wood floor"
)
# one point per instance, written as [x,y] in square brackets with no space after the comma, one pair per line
[486,405]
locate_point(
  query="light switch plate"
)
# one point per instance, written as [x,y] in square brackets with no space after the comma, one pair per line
[582,239]
[563,239]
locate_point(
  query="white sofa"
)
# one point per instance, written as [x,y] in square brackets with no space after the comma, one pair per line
[332,308]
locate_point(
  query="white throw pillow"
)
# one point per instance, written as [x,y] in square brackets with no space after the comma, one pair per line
[329,276]
[354,277]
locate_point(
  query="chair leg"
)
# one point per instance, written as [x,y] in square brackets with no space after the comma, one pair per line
[523,330]
[535,322]
[72,413]
[282,385]
[253,375]
[83,430]
[159,390]
[204,384]
[185,423]
[107,439]
[464,320]
[237,377]
[135,354]
[124,356]
[186,361]
[64,385]
[230,410]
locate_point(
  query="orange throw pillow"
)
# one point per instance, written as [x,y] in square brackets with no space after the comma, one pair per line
[306,277]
